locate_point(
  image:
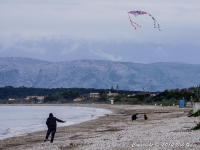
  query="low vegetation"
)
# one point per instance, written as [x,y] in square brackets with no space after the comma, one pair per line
[66,95]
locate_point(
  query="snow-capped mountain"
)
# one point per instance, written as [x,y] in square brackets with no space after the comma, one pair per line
[103,74]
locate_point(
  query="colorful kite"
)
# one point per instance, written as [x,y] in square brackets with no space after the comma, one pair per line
[156,25]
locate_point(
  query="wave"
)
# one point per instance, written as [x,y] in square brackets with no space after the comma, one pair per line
[26,119]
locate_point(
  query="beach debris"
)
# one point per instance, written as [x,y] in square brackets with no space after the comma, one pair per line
[136,13]
[190,113]
[70,146]
[113,129]
[182,130]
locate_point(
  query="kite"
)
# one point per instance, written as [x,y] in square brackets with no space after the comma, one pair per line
[156,24]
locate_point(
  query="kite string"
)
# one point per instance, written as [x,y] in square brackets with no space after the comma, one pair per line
[133,23]
[155,22]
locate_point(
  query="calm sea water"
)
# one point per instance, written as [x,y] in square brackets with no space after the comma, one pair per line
[19,120]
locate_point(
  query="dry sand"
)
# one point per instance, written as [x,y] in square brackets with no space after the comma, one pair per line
[166,128]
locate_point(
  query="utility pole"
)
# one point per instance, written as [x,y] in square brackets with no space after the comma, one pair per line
[117,88]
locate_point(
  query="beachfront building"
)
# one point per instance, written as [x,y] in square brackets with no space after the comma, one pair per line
[11,99]
[94,95]
[146,93]
[15,101]
[112,94]
[41,98]
[131,95]
[77,99]
[35,99]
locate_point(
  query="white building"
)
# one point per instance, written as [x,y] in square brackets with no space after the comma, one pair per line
[11,99]
[94,95]
[41,98]
[112,94]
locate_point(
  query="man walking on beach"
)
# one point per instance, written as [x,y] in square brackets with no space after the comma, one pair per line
[51,124]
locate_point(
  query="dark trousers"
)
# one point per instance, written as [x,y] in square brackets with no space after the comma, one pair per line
[134,117]
[51,131]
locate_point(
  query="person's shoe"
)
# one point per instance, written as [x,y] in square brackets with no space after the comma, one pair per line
[51,141]
[45,140]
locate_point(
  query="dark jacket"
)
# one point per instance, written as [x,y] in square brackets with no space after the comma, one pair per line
[134,117]
[51,122]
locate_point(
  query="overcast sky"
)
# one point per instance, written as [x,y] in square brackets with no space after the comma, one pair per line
[100,20]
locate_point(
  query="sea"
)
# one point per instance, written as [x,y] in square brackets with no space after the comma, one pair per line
[21,120]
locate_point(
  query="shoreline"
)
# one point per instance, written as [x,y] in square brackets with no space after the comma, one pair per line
[117,131]
[32,129]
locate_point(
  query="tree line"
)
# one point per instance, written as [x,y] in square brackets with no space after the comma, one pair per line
[50,93]
[68,94]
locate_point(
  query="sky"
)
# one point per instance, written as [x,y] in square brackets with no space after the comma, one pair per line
[64,30]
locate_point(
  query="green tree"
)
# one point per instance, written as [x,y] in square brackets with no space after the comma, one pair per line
[70,94]
[112,89]
[103,95]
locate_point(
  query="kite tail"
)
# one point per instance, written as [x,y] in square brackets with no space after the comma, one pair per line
[133,23]
[155,23]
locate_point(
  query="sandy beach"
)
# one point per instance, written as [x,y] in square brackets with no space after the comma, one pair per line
[166,128]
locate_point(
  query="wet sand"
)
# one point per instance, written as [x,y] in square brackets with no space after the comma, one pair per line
[166,128]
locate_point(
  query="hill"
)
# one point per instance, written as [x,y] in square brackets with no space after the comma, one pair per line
[98,74]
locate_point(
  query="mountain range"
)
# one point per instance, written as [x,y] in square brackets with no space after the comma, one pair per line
[101,74]
[56,49]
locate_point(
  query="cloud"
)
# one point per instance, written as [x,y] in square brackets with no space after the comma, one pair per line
[33,49]
[96,21]
[111,57]
[161,54]
[99,19]
[72,47]
[7,41]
